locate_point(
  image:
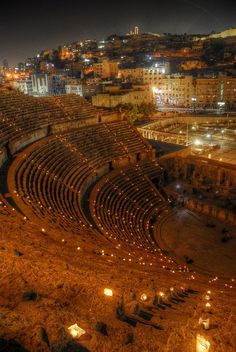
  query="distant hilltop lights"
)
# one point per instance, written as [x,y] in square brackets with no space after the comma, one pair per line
[134,31]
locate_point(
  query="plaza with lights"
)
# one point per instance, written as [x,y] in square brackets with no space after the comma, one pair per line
[210,137]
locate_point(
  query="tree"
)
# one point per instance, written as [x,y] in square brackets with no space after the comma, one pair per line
[146,109]
[130,110]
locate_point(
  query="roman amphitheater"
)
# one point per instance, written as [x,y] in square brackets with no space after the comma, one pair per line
[108,244]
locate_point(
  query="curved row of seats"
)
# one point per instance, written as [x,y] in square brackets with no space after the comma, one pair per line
[125,202]
[20,114]
[51,176]
[73,105]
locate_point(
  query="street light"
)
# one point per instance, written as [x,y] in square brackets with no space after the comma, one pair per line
[197,142]
[221,106]
[194,100]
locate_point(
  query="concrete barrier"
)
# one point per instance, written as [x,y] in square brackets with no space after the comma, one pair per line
[26,139]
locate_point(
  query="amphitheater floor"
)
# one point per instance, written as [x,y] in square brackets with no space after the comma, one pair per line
[186,234]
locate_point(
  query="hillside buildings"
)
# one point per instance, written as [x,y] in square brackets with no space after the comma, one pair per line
[189,71]
[146,75]
[106,68]
[187,91]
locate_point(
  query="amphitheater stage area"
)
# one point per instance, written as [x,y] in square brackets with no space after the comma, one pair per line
[195,236]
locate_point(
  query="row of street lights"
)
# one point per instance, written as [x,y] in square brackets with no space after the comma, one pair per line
[158,98]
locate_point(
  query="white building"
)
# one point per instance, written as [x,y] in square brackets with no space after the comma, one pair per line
[40,84]
[74,89]
[44,84]
[24,86]
[136,30]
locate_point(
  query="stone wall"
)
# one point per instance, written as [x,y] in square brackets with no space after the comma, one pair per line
[203,175]
[110,118]
[210,210]
[177,154]
[26,139]
[201,172]
[65,126]
[3,156]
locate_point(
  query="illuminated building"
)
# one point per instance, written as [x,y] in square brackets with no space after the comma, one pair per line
[188,65]
[66,53]
[174,90]
[206,91]
[106,68]
[210,91]
[74,86]
[24,86]
[186,91]
[136,30]
[44,84]
[147,75]
[137,95]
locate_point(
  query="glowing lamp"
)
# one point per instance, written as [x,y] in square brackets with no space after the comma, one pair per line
[161,294]
[202,345]
[205,323]
[76,331]
[208,305]
[108,292]
[197,142]
[143,297]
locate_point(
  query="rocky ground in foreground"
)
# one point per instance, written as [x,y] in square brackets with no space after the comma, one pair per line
[50,281]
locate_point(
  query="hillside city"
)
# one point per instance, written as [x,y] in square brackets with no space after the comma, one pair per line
[193,72]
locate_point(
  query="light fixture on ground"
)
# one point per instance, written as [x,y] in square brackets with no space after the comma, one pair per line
[108,292]
[208,306]
[143,297]
[205,323]
[202,345]
[76,331]
[160,297]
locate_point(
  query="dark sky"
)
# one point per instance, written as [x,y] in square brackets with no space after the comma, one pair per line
[28,27]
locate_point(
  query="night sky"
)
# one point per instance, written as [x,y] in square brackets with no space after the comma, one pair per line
[28,27]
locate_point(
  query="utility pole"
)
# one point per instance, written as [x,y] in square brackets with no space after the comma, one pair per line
[187,134]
